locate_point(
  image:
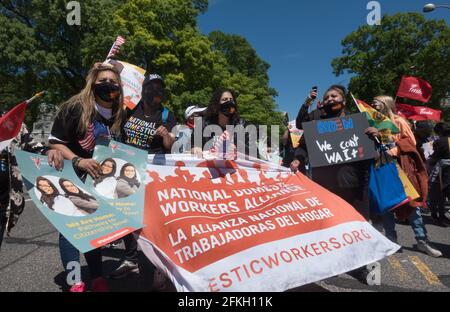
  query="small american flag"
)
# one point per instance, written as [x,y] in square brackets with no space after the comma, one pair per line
[116,47]
[88,143]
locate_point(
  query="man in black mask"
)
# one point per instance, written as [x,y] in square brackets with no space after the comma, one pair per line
[148,127]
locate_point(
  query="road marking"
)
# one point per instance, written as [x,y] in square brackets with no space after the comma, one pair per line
[401,272]
[426,271]
[29,199]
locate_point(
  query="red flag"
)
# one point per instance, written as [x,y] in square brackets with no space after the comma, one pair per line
[415,89]
[418,113]
[11,122]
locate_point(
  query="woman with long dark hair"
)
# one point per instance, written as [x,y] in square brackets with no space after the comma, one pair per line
[84,202]
[127,182]
[55,201]
[105,184]
[222,131]
[223,108]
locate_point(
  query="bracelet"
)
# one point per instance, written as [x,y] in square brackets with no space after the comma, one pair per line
[75,161]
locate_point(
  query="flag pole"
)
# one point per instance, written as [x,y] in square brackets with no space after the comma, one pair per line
[109,53]
[356,102]
[116,46]
[357,105]
[36,96]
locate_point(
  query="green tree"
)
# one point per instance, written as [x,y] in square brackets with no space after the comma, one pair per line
[249,77]
[404,44]
[162,37]
[165,39]
[40,51]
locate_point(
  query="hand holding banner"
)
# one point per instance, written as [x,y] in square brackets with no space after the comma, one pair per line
[122,183]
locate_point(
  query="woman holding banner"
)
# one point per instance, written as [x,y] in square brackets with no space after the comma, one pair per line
[148,127]
[222,112]
[96,113]
[402,147]
[350,181]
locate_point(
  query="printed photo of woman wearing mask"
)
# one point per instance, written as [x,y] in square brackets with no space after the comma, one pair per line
[80,199]
[127,182]
[55,201]
[105,184]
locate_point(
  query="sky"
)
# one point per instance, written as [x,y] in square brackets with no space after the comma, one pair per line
[300,38]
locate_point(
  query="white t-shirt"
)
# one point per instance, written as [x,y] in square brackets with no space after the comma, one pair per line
[105,112]
[107,187]
[65,206]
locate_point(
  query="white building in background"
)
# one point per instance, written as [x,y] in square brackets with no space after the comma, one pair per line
[44,123]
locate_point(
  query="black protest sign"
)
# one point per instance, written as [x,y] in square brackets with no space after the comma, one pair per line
[338,140]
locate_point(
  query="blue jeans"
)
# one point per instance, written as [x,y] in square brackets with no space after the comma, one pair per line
[68,252]
[416,221]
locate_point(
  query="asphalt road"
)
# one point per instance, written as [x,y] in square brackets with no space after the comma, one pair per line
[30,262]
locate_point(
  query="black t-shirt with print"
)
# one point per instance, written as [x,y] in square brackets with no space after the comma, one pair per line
[65,131]
[140,131]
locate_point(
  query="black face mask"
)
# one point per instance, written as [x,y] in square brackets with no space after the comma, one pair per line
[329,109]
[228,109]
[107,91]
[151,92]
